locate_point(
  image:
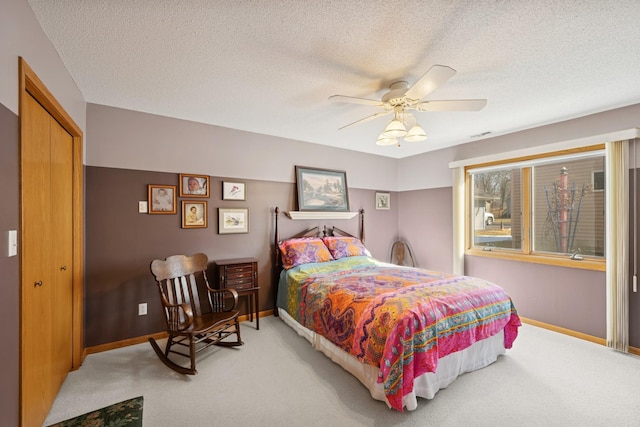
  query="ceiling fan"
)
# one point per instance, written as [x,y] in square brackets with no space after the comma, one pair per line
[401,99]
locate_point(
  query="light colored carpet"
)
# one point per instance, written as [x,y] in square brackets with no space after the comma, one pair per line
[277,379]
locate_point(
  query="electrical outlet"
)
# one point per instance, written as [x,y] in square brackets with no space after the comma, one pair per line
[142,309]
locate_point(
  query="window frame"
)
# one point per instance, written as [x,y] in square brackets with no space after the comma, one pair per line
[526,252]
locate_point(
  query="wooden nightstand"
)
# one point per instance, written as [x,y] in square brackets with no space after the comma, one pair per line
[241,274]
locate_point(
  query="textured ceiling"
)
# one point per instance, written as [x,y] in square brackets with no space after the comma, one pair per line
[269,66]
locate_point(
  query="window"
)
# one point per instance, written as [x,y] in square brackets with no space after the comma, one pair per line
[540,210]
[497,206]
[597,179]
[568,217]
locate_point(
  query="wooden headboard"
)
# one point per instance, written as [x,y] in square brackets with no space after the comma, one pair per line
[309,232]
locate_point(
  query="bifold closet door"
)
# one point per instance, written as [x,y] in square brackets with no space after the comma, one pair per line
[46,285]
[61,234]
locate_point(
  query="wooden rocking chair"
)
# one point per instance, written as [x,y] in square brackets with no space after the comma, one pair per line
[197,316]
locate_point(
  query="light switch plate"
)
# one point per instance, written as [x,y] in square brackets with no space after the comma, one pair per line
[142,207]
[12,242]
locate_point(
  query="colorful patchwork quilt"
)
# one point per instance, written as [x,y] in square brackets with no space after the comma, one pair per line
[399,319]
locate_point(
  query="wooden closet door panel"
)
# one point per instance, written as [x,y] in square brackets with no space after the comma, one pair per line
[45,333]
[61,234]
[36,283]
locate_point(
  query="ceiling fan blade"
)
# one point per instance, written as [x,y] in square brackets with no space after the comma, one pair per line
[366,119]
[430,80]
[453,105]
[354,100]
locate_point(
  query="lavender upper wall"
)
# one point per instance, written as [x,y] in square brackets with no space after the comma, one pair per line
[431,170]
[127,139]
[21,35]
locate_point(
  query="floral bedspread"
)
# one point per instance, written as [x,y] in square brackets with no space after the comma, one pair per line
[400,319]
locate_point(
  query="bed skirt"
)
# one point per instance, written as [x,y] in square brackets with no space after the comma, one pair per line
[479,355]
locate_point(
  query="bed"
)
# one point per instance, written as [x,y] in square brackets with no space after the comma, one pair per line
[404,332]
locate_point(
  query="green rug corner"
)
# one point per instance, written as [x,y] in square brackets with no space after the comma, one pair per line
[126,413]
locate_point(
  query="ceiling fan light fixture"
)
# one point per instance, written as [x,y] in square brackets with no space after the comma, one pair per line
[395,129]
[415,134]
[402,99]
[385,141]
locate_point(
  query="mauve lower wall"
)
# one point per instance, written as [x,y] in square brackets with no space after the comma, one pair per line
[9,270]
[426,223]
[634,297]
[566,291]
[121,243]
[567,297]
[422,217]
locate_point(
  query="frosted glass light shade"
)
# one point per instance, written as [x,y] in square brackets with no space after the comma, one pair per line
[415,134]
[383,140]
[395,129]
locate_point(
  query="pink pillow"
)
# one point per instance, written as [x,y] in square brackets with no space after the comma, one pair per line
[302,251]
[343,246]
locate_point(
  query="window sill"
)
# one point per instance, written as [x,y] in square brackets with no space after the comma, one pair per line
[584,264]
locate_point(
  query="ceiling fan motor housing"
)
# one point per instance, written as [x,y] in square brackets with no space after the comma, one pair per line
[395,96]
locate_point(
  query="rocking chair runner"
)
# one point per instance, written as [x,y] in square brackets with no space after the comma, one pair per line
[197,316]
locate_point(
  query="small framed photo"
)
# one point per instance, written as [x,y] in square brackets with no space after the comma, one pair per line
[233,221]
[162,199]
[234,190]
[194,214]
[194,185]
[383,201]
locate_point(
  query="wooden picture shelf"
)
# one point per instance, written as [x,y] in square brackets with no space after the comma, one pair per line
[320,215]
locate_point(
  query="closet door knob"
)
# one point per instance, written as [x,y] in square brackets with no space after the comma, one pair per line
[63,268]
[38,283]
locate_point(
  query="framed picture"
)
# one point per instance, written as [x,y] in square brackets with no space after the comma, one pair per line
[162,199]
[194,185]
[383,201]
[233,221]
[234,190]
[194,214]
[322,189]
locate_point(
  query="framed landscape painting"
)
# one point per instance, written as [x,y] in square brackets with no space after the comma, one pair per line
[322,189]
